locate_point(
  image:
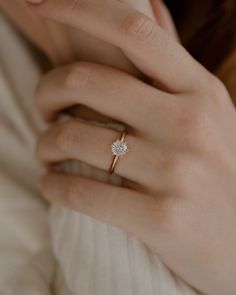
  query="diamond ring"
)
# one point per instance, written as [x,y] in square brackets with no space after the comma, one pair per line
[119,148]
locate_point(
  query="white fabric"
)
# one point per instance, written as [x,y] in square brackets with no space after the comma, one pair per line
[75,254]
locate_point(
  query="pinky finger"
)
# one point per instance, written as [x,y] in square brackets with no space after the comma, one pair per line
[118,206]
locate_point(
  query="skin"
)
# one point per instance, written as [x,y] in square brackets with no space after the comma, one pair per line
[182,202]
[63,44]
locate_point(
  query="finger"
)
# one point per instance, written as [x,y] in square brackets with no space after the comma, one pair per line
[101,88]
[164,18]
[118,206]
[151,49]
[91,144]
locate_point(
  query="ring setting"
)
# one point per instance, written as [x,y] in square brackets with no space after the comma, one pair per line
[119,148]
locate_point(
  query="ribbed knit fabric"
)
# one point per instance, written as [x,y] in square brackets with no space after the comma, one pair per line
[81,256]
[99,259]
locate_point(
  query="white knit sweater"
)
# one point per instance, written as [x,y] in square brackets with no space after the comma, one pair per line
[43,250]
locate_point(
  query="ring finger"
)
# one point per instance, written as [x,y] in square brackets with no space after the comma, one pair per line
[91,144]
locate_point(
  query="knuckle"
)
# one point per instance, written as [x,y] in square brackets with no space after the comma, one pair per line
[67,137]
[78,75]
[195,127]
[138,26]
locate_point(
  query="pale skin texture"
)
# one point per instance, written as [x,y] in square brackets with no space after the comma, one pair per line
[182,203]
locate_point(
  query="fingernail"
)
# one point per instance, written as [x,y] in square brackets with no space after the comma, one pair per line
[34,1]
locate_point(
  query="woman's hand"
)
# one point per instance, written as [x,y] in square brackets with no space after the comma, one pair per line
[182,159]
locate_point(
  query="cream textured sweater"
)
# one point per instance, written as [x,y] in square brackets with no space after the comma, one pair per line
[50,250]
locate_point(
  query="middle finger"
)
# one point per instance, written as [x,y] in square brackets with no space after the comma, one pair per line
[107,91]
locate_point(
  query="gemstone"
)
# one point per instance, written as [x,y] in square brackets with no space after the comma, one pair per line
[119,148]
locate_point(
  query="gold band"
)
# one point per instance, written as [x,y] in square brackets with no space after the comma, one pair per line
[115,157]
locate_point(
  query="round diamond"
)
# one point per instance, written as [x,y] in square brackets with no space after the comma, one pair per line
[119,148]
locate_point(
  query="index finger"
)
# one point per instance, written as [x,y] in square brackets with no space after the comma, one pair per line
[149,47]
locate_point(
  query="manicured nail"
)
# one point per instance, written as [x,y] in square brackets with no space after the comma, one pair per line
[34,1]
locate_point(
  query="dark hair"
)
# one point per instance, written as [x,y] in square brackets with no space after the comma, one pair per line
[207,28]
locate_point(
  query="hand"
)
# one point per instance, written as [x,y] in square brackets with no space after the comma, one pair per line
[181,137]
[91,48]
